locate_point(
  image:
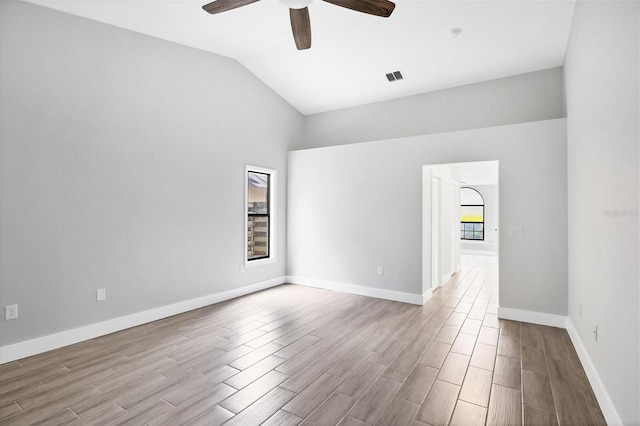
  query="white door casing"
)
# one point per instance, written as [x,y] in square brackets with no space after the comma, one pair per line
[436,211]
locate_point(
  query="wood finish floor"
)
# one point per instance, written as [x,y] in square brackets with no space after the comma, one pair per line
[297,355]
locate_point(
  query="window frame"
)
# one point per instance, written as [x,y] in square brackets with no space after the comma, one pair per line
[271,215]
[473,205]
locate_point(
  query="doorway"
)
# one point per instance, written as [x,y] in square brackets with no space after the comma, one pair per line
[443,239]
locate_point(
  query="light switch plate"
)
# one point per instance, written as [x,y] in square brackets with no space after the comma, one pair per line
[101,294]
[515,231]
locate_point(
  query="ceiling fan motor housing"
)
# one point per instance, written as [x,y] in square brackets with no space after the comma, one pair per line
[296,4]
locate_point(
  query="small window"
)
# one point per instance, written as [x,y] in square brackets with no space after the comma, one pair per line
[260,184]
[471,215]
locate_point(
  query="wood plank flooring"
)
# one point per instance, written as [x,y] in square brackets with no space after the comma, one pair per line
[298,355]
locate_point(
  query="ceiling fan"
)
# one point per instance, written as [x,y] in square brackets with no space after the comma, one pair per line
[299,13]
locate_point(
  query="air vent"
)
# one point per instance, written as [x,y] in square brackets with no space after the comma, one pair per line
[395,76]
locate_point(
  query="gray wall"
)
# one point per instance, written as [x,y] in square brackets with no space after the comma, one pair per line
[353,207]
[518,99]
[122,166]
[601,77]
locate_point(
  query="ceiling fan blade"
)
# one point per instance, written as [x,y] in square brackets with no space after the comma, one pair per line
[224,5]
[301,27]
[382,8]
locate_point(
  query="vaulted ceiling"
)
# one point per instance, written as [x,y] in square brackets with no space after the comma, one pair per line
[351,52]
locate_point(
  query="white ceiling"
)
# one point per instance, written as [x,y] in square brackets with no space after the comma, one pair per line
[351,52]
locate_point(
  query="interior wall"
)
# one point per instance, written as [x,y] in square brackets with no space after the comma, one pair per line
[602,91]
[357,206]
[122,167]
[518,99]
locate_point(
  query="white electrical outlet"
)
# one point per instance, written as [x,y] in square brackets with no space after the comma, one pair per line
[241,268]
[595,333]
[380,270]
[11,312]
[101,294]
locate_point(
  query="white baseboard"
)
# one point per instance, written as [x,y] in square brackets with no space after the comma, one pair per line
[398,296]
[608,409]
[426,295]
[540,318]
[54,341]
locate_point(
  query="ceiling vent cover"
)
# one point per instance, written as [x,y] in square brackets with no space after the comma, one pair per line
[395,76]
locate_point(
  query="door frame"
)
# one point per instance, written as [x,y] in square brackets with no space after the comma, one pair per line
[436,230]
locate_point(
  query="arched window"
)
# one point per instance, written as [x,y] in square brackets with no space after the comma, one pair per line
[471,214]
